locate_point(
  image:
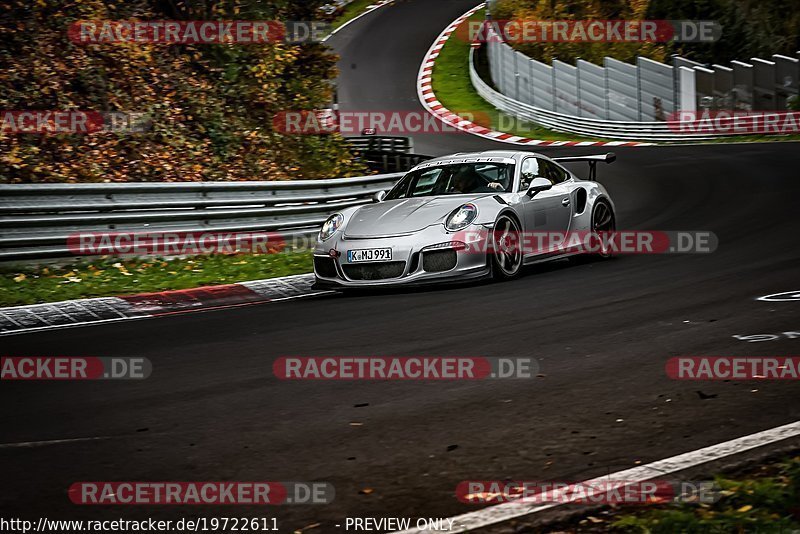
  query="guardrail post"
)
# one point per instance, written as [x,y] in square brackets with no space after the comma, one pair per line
[606,91]
[742,85]
[531,82]
[723,87]
[638,89]
[578,99]
[764,88]
[787,83]
[688,96]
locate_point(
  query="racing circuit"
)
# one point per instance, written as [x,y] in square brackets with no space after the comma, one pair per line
[601,331]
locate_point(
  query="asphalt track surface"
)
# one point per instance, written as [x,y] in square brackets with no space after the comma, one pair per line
[602,332]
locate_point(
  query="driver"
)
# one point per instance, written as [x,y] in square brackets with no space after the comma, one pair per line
[464,180]
[467,180]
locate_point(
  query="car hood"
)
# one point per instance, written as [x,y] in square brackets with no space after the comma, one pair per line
[403,216]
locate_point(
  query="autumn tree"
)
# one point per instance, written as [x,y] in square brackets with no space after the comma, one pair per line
[209,106]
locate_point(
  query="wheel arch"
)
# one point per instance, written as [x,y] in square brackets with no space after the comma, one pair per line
[511,213]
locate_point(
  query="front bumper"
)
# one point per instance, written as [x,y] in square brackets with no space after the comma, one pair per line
[428,256]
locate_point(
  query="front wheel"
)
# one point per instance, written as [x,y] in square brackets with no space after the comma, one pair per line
[506,252]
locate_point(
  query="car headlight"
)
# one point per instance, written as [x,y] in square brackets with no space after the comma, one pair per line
[330,226]
[461,218]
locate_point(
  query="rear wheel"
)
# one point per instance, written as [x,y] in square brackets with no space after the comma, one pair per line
[506,253]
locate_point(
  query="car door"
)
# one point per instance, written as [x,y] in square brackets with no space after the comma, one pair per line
[547,211]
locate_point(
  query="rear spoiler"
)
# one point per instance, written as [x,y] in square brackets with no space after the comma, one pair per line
[591,160]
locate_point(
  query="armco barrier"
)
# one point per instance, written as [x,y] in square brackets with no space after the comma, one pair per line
[585,126]
[386,153]
[37,219]
[631,102]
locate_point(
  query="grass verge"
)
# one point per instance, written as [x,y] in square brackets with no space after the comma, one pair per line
[765,499]
[454,90]
[108,276]
[351,11]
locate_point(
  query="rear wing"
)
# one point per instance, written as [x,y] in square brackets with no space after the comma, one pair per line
[591,160]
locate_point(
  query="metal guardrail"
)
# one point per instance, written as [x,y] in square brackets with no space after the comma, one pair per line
[385,153]
[617,130]
[36,220]
[382,143]
[392,162]
[634,101]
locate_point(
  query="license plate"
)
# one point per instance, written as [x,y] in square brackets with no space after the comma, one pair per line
[369,254]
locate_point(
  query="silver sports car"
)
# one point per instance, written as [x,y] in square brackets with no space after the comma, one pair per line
[460,217]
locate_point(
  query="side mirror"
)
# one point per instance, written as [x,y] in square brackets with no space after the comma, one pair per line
[539,184]
[379,196]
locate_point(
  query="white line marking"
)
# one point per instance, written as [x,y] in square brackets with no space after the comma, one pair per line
[326,292]
[504,512]
[27,444]
[367,12]
[71,325]
[786,296]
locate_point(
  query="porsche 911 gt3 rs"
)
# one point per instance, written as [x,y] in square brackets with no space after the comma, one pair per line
[416,232]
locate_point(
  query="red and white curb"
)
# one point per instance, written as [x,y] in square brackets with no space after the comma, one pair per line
[38,317]
[429,101]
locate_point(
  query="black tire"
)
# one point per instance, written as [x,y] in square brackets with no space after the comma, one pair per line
[603,220]
[505,252]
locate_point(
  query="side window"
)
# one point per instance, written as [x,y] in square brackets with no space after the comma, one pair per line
[528,171]
[553,172]
[425,183]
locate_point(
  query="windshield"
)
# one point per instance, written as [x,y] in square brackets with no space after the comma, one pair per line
[455,179]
